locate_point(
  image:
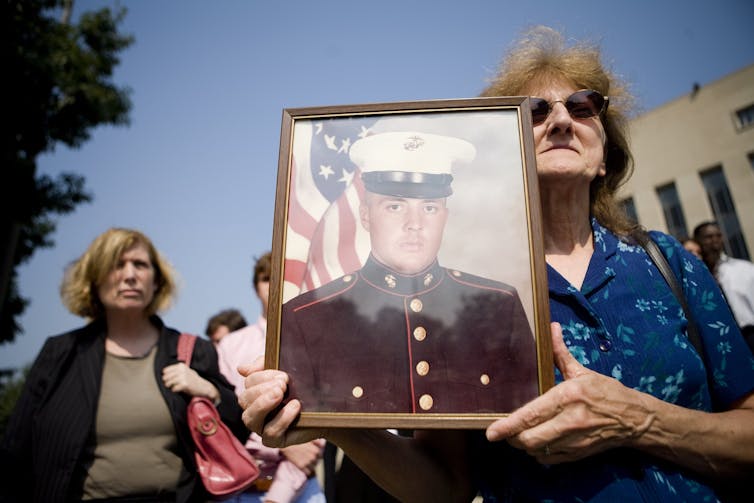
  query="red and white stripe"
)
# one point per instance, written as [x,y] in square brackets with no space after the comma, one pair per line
[323,241]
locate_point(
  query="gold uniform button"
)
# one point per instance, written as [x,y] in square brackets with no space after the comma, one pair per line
[422,368]
[484,379]
[347,278]
[416,305]
[357,391]
[420,333]
[426,402]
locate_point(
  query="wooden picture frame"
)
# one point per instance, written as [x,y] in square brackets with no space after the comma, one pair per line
[370,342]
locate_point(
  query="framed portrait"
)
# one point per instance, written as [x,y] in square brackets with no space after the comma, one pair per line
[408,285]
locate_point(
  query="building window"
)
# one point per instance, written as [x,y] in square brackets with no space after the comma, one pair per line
[745,117]
[630,208]
[724,211]
[671,208]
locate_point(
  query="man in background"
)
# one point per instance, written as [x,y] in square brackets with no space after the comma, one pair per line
[735,276]
[223,323]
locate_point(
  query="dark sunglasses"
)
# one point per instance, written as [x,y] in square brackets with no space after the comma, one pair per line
[580,105]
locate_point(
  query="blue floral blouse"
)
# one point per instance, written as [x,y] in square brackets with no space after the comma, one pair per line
[625,322]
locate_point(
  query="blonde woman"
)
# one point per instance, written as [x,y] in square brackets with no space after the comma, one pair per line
[102,416]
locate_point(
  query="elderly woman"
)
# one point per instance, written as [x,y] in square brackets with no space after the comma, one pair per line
[632,417]
[102,415]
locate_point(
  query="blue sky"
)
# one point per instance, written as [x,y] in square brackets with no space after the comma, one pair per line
[196,168]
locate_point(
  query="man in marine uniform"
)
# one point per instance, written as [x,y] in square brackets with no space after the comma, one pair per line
[404,334]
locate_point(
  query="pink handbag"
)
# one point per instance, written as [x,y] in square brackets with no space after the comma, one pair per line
[225,466]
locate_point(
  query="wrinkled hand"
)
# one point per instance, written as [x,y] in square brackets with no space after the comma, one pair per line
[180,378]
[585,414]
[304,456]
[264,392]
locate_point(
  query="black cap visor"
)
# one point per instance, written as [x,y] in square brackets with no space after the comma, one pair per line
[408,184]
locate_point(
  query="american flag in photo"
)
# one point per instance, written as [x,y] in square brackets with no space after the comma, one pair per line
[325,239]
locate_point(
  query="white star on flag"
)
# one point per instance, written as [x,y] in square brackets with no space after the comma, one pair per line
[347,177]
[324,238]
[326,171]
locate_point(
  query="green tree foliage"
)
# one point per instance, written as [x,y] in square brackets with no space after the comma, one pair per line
[59,87]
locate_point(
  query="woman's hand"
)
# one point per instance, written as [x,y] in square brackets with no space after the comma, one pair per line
[180,378]
[433,469]
[264,393]
[586,414]
[304,456]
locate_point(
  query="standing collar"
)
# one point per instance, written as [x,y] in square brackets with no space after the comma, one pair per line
[606,245]
[386,279]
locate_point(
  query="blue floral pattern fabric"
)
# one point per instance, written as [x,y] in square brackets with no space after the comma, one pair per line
[626,323]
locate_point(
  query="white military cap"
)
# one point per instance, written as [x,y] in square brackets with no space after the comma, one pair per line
[409,163]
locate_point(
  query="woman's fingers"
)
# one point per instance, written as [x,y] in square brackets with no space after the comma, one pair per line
[265,390]
[564,360]
[532,414]
[249,368]
[531,421]
[275,431]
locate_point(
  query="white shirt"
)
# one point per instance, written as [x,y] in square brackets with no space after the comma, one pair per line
[736,277]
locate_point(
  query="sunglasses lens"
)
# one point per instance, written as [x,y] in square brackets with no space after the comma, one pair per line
[539,110]
[585,104]
[580,105]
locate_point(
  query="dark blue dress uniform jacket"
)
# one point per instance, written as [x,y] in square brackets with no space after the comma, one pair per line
[44,453]
[440,341]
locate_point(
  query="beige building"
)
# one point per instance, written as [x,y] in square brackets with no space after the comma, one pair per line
[695,161]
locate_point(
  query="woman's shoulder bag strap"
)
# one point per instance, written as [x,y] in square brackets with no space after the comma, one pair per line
[186,348]
[654,252]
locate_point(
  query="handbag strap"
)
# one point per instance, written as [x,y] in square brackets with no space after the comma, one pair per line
[186,348]
[654,252]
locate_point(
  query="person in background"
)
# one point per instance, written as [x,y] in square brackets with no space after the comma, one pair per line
[735,276]
[287,474]
[632,416]
[223,323]
[102,416]
[691,246]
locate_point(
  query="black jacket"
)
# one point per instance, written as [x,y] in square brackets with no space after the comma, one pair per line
[43,454]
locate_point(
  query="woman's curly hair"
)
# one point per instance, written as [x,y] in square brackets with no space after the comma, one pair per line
[542,57]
